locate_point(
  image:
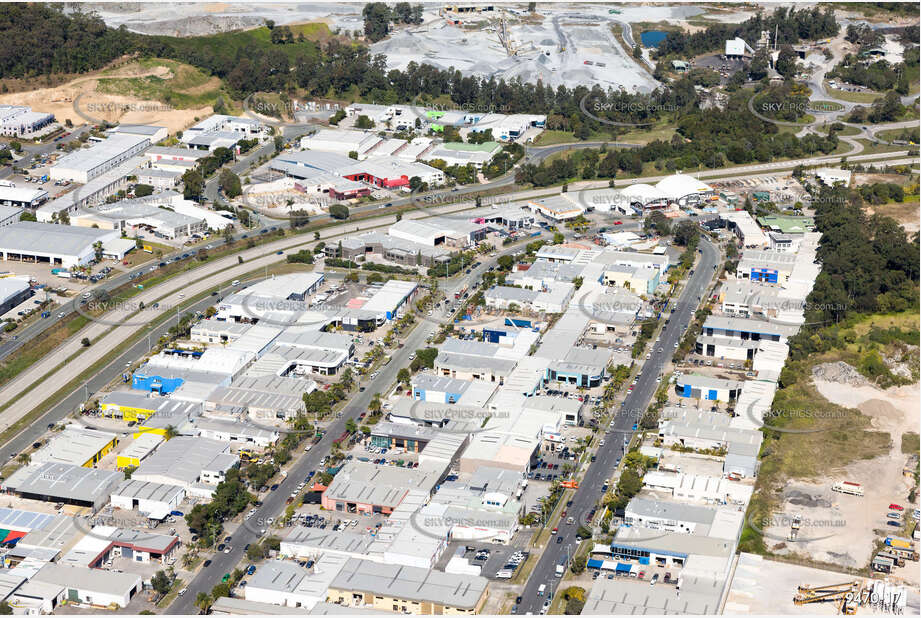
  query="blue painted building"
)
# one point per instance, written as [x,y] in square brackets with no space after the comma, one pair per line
[707,388]
[155,383]
[765,275]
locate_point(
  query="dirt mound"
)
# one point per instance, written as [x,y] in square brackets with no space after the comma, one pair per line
[839,372]
[83,92]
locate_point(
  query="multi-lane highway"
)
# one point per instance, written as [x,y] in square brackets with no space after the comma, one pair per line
[222,270]
[633,407]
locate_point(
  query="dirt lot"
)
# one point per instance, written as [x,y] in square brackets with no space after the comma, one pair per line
[844,529]
[906,214]
[761,586]
[113,108]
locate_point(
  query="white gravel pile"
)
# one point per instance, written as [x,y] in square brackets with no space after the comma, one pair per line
[839,372]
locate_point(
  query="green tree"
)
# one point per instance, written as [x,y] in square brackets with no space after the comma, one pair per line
[193,185]
[161,582]
[221,590]
[230,183]
[377,20]
[255,552]
[338,211]
[142,190]
[203,601]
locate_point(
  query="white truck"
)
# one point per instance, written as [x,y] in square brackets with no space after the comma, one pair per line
[847,487]
[560,569]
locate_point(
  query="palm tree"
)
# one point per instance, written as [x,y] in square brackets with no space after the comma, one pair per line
[25,458]
[375,405]
[347,379]
[203,602]
[170,432]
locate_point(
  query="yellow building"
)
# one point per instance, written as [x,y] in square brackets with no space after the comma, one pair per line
[151,414]
[407,590]
[637,280]
[76,446]
[130,406]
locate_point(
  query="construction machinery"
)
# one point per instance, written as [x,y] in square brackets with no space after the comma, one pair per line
[795,526]
[845,596]
[505,35]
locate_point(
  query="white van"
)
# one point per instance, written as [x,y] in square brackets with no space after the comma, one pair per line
[504,574]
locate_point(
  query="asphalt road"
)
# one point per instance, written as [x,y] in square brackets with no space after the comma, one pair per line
[27,333]
[635,404]
[273,504]
[78,396]
[533,155]
[9,345]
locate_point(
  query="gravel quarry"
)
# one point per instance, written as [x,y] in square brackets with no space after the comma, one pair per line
[565,44]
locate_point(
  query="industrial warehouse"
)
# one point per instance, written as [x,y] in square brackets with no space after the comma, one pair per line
[470,309]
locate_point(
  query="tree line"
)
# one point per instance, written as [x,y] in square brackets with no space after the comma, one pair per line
[249,64]
[709,138]
[38,39]
[869,264]
[791,26]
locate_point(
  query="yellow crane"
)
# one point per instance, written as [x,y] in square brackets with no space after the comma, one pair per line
[845,596]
